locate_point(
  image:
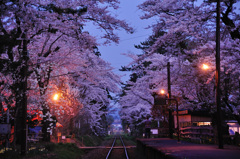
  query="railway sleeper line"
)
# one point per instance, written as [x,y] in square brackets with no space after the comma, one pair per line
[117,147]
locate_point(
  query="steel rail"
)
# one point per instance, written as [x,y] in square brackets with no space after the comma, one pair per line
[109,152]
[124,148]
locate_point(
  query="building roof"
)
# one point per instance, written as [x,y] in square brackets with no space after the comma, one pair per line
[193,112]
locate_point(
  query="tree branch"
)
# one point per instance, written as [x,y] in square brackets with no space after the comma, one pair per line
[50,47]
[142,98]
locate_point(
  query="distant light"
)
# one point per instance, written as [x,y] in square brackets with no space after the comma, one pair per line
[56,96]
[205,66]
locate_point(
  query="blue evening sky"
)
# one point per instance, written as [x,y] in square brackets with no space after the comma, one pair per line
[113,54]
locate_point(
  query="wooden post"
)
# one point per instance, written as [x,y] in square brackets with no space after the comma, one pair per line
[170,117]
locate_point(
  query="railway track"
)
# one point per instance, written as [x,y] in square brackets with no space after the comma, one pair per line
[114,148]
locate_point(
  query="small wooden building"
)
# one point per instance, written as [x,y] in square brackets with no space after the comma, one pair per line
[195,125]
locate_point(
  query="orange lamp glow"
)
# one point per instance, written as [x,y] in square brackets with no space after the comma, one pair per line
[162,91]
[205,66]
[56,96]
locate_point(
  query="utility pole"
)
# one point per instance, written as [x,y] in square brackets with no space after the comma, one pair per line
[24,94]
[217,75]
[170,120]
[218,102]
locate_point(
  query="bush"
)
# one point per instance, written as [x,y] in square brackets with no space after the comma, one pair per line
[68,151]
[50,146]
[47,150]
[10,154]
[90,140]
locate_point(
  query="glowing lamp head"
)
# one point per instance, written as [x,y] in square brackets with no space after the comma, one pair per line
[162,91]
[56,97]
[205,66]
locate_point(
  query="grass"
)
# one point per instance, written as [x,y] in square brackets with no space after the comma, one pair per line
[128,137]
[52,150]
[109,137]
[67,151]
[47,151]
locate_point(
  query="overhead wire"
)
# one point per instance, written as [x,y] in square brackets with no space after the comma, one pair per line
[133,37]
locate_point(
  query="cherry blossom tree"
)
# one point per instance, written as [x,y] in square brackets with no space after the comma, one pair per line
[50,36]
[184,34]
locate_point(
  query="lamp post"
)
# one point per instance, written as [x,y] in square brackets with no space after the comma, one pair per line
[160,99]
[174,99]
[178,129]
[56,97]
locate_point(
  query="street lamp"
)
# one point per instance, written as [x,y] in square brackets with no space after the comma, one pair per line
[160,99]
[56,96]
[162,91]
[205,66]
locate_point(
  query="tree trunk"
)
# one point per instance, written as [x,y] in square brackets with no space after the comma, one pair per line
[45,122]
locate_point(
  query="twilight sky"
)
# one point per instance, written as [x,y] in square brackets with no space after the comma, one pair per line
[113,53]
[128,11]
